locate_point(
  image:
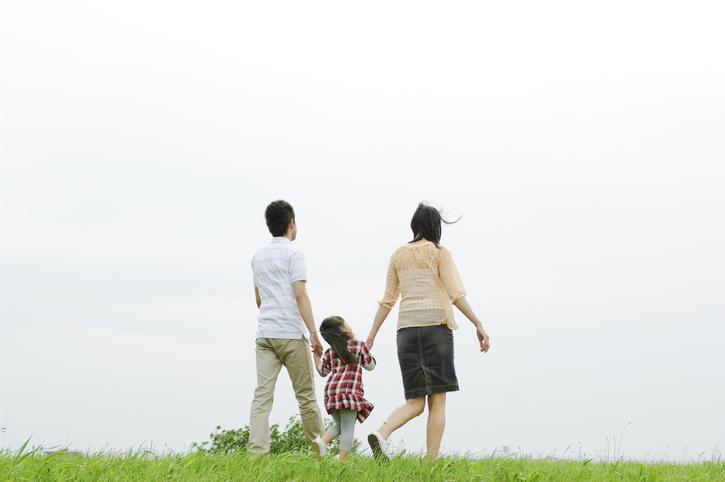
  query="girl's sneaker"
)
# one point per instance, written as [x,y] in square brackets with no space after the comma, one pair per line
[379,446]
[318,447]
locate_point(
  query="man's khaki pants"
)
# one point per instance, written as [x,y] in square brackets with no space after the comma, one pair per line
[272,354]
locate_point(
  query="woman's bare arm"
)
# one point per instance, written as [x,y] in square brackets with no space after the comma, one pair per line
[466,309]
[380,316]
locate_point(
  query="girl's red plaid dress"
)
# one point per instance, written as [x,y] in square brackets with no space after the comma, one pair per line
[344,388]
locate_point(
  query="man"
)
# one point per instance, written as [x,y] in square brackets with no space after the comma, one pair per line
[285,316]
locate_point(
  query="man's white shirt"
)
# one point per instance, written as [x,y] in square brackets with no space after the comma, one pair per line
[276,267]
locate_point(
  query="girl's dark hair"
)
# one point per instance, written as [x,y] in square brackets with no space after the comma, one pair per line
[331,332]
[426,224]
[278,215]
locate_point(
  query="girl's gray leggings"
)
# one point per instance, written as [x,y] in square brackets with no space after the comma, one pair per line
[344,427]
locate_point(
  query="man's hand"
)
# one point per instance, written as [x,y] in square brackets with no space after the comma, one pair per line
[315,344]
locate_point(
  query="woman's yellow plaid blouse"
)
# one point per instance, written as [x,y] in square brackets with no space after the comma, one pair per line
[427,280]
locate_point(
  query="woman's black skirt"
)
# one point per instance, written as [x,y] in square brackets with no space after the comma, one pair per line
[425,354]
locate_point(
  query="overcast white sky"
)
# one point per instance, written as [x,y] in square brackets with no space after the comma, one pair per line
[582,143]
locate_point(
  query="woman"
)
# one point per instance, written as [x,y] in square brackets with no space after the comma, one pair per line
[424,274]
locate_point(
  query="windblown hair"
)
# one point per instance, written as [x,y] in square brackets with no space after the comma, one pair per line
[426,224]
[330,329]
[278,215]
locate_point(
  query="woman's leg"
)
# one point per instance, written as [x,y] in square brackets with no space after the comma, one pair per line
[400,416]
[436,424]
[347,421]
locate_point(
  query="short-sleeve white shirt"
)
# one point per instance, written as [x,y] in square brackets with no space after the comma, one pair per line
[275,268]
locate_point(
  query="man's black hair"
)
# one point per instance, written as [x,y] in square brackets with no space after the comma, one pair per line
[278,215]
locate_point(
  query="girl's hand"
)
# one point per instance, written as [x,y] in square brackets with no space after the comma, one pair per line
[318,361]
[315,344]
[482,339]
[369,343]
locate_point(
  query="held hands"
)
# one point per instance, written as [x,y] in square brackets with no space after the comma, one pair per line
[482,338]
[318,362]
[369,343]
[315,344]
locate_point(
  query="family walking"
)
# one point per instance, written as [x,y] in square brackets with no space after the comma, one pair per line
[422,273]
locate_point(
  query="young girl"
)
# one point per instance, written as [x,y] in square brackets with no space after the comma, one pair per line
[344,389]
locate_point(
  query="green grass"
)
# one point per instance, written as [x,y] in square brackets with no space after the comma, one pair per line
[147,466]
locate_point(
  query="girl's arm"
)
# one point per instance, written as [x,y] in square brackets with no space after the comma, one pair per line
[380,316]
[318,363]
[466,309]
[368,361]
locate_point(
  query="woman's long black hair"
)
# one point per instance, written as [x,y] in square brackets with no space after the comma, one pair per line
[331,332]
[426,224]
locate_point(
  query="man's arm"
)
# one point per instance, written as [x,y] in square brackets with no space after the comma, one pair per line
[256,295]
[305,307]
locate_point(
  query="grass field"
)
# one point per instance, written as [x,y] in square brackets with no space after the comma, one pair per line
[147,466]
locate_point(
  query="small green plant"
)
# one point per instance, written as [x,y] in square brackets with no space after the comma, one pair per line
[292,439]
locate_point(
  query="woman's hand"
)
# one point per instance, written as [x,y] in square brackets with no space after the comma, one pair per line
[380,316]
[466,309]
[482,339]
